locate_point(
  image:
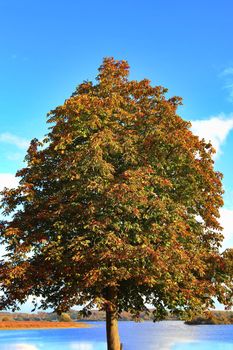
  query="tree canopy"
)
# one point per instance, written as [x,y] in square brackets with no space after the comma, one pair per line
[119,202]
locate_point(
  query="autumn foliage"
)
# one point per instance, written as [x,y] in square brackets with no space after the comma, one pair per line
[118,207]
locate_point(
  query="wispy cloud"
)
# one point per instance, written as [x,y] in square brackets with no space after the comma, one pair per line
[215,129]
[227,71]
[16,156]
[9,138]
[227,76]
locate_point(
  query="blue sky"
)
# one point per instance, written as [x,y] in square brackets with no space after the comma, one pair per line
[49,47]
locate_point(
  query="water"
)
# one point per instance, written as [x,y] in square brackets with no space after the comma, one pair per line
[167,335]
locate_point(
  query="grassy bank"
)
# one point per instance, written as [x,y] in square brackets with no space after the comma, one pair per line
[40,325]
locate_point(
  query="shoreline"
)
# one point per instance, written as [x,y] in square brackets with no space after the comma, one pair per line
[27,325]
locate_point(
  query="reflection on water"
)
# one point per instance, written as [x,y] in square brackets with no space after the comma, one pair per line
[87,346]
[71,346]
[81,346]
[169,344]
[203,346]
[20,347]
[157,336]
[168,335]
[176,335]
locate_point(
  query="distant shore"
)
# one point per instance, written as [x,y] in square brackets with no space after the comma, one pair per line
[16,325]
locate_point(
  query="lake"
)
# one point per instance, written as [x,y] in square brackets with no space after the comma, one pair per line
[166,335]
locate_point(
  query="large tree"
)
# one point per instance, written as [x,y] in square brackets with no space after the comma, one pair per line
[118,207]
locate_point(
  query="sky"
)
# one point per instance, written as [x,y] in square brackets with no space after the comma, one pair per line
[48,47]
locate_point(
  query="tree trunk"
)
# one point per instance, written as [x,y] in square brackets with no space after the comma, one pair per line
[113,338]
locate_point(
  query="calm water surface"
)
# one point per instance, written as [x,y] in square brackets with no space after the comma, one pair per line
[167,335]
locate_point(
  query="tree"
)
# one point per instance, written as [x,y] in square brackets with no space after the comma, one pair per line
[64,317]
[118,207]
[228,268]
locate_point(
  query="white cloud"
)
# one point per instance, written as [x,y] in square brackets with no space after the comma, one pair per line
[8,180]
[226,221]
[14,140]
[214,129]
